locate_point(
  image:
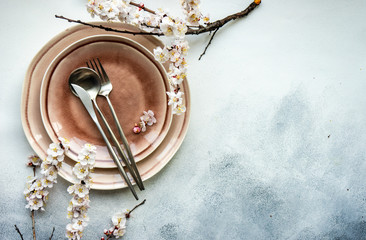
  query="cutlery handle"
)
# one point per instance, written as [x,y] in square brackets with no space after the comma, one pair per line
[116,160]
[118,146]
[87,102]
[124,140]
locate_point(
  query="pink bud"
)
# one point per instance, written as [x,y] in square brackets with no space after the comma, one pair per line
[136,129]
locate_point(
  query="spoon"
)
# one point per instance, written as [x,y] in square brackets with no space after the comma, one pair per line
[85,84]
[90,81]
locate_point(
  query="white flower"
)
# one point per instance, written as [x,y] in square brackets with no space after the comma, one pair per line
[180,29]
[41,194]
[175,99]
[179,109]
[46,183]
[80,189]
[71,233]
[177,75]
[161,55]
[148,118]
[90,7]
[65,143]
[174,55]
[55,150]
[34,160]
[151,21]
[119,222]
[79,201]
[54,160]
[167,26]
[37,185]
[79,224]
[182,46]
[80,171]
[87,157]
[50,172]
[119,232]
[193,17]
[35,204]
[119,218]
[89,147]
[106,10]
[206,19]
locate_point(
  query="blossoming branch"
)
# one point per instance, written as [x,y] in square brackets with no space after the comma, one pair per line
[79,204]
[162,23]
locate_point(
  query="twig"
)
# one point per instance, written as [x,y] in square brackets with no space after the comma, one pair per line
[142,7]
[208,44]
[201,29]
[20,234]
[33,226]
[108,29]
[220,23]
[138,205]
[53,230]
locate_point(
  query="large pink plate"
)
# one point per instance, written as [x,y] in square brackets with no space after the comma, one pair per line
[139,83]
[38,137]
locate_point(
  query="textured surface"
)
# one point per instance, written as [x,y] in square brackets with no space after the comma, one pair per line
[275,148]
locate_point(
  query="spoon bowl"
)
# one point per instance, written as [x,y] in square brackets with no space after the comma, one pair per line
[87,79]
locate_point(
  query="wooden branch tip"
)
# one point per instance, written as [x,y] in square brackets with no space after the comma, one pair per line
[53,230]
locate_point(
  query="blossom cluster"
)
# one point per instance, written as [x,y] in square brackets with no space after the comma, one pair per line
[176,54]
[192,12]
[161,22]
[147,119]
[79,204]
[36,192]
[119,225]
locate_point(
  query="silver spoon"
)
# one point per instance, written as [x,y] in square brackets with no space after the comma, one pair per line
[85,84]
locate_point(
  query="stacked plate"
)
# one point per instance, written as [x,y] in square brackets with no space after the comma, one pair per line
[49,110]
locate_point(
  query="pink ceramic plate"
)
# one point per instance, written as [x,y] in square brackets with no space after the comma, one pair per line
[38,137]
[139,83]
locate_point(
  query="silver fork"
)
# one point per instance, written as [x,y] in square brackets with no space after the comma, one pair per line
[106,88]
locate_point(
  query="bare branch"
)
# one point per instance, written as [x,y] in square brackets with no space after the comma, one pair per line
[108,29]
[20,234]
[208,44]
[53,230]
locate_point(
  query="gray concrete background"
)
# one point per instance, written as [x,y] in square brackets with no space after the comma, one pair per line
[276,144]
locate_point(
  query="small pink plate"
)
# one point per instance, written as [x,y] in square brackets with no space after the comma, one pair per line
[139,84]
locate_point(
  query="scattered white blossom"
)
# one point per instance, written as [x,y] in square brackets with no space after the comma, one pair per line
[119,225]
[179,109]
[33,161]
[147,119]
[175,99]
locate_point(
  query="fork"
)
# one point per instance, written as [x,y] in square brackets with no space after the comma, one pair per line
[106,88]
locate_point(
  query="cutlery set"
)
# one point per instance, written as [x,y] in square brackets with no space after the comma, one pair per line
[87,83]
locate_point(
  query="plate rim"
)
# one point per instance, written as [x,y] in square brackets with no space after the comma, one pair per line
[52,46]
[84,41]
